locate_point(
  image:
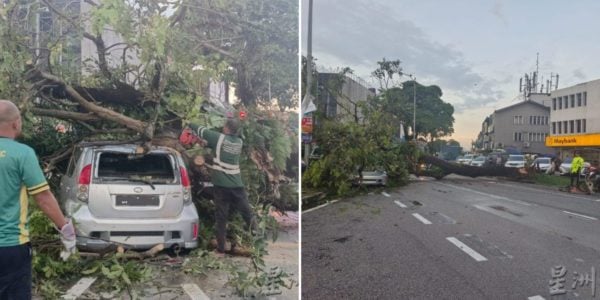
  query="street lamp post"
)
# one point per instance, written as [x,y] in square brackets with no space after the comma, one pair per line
[414,78]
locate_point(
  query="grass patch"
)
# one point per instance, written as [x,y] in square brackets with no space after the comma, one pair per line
[551,180]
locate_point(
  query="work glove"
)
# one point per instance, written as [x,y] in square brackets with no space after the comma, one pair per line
[69,239]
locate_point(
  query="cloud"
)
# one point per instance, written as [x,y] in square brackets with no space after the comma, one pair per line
[498,11]
[578,74]
[358,34]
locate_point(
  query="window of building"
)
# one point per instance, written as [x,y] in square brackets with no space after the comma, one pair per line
[578,122]
[546,120]
[584,98]
[515,120]
[520,137]
[578,99]
[583,125]
[530,135]
[515,136]
[566,126]
[553,127]
[553,103]
[572,100]
[559,127]
[560,102]
[572,126]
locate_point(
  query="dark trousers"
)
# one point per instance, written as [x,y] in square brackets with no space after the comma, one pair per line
[227,199]
[575,177]
[15,272]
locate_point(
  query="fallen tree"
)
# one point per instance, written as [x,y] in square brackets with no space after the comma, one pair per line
[469,171]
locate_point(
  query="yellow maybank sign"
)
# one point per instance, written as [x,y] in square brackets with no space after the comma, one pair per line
[573,140]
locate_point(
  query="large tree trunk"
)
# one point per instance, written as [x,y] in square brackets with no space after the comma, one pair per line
[470,171]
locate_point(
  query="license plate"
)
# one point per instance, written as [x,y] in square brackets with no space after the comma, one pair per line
[137,200]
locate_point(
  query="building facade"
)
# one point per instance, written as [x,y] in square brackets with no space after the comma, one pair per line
[575,121]
[339,97]
[518,128]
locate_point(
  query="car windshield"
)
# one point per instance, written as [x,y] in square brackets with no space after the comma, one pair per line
[125,166]
[516,158]
[543,160]
[480,158]
[568,160]
[468,156]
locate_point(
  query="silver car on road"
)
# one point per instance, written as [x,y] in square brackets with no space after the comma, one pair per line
[118,196]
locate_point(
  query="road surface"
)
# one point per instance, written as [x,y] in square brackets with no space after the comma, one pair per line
[457,238]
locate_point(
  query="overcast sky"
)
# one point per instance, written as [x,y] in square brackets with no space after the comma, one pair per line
[475,50]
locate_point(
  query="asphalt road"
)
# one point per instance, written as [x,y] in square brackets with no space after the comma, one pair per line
[457,238]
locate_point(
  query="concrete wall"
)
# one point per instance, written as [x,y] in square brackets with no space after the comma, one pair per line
[505,129]
[342,107]
[589,112]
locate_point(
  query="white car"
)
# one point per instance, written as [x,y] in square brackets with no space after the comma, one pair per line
[515,161]
[377,177]
[544,163]
[565,167]
[479,161]
[466,160]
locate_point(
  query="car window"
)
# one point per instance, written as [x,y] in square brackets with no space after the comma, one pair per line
[124,165]
[516,158]
[568,160]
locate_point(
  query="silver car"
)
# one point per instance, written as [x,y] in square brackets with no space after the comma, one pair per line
[117,196]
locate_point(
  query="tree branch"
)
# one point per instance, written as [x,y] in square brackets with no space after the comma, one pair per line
[146,130]
[65,115]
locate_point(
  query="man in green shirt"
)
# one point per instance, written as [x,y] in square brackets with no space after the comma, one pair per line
[576,166]
[229,191]
[21,177]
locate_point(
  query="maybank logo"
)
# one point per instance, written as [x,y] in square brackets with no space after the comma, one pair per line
[562,141]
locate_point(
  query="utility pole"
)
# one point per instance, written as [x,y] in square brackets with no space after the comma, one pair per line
[308,70]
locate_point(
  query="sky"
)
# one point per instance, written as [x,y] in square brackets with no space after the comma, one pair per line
[474,50]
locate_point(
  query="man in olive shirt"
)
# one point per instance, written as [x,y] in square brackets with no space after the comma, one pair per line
[21,177]
[225,175]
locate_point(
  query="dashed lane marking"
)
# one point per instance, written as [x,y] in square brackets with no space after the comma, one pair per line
[194,291]
[487,195]
[478,257]
[422,219]
[81,286]
[537,297]
[400,204]
[385,194]
[579,215]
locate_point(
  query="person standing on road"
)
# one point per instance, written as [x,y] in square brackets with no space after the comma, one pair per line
[21,177]
[229,190]
[576,167]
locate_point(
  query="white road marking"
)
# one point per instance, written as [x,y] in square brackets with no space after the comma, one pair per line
[466,249]
[420,218]
[385,194]
[320,206]
[537,297]
[552,192]
[487,195]
[194,291]
[400,204]
[81,286]
[578,215]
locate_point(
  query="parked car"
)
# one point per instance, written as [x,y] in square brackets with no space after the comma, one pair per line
[544,163]
[466,160]
[137,201]
[515,161]
[479,161]
[565,167]
[377,177]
